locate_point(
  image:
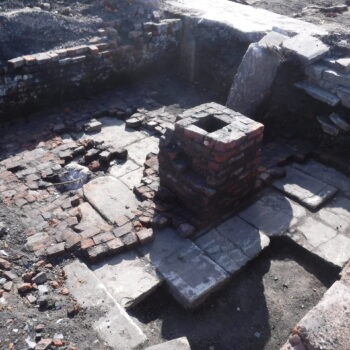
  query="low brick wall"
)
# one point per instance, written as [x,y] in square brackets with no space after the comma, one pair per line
[211,158]
[46,76]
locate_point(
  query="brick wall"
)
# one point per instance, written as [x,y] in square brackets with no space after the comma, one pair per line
[33,79]
[211,158]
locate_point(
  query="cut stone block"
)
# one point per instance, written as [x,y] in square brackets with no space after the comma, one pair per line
[175,344]
[110,197]
[254,78]
[273,214]
[343,64]
[307,190]
[340,121]
[316,232]
[328,126]
[326,174]
[318,93]
[344,95]
[117,328]
[189,273]
[307,49]
[335,251]
[336,78]
[222,251]
[328,323]
[128,278]
[244,236]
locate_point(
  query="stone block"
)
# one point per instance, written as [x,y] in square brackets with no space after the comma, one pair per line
[110,197]
[336,78]
[128,278]
[307,190]
[306,48]
[175,344]
[318,93]
[342,64]
[253,81]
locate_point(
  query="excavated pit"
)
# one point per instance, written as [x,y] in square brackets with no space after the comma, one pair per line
[85,176]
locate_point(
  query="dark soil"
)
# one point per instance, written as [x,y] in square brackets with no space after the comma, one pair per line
[31,26]
[256,311]
[19,318]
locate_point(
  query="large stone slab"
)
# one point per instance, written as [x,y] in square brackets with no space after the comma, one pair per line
[328,323]
[116,327]
[244,236]
[175,344]
[326,174]
[110,197]
[335,251]
[306,48]
[307,190]
[248,23]
[336,214]
[128,278]
[273,214]
[254,78]
[222,251]
[190,274]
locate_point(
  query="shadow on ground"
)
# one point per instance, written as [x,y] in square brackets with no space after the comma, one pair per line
[255,311]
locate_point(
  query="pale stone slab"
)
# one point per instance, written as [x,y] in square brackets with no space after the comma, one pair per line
[306,48]
[335,251]
[244,236]
[273,214]
[254,79]
[336,214]
[307,190]
[189,273]
[248,23]
[91,218]
[192,276]
[133,178]
[316,232]
[139,150]
[110,197]
[222,251]
[328,323]
[128,278]
[119,170]
[116,328]
[115,134]
[326,174]
[175,344]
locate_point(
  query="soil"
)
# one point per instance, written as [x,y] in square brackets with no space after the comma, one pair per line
[256,311]
[19,318]
[31,26]
[314,11]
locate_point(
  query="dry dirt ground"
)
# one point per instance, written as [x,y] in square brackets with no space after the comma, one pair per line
[321,12]
[31,26]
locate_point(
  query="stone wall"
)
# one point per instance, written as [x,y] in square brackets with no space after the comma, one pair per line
[47,76]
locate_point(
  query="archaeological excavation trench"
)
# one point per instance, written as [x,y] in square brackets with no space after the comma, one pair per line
[174,175]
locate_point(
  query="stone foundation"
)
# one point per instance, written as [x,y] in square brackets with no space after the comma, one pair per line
[210,159]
